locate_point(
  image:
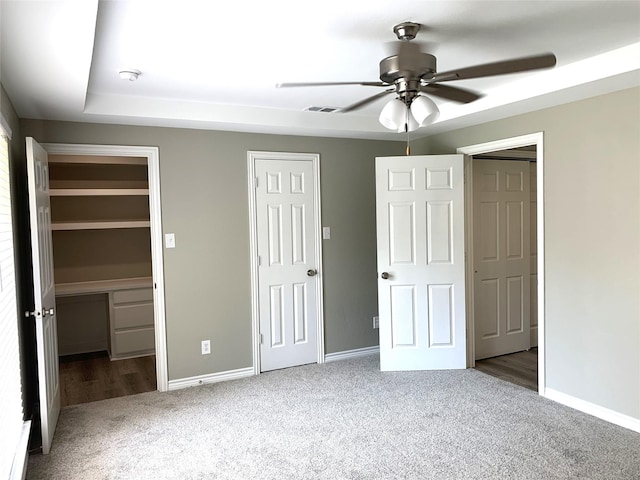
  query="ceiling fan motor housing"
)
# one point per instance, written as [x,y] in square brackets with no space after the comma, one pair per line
[406,72]
[412,68]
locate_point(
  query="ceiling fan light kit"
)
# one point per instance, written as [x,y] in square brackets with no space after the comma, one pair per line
[424,110]
[397,116]
[411,73]
[393,114]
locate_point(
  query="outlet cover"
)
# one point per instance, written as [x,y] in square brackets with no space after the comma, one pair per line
[206,347]
[376,322]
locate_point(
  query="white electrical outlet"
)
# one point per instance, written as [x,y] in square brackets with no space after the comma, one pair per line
[376,322]
[206,347]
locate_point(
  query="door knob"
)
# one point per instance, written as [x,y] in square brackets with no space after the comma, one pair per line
[311,272]
[384,275]
[47,311]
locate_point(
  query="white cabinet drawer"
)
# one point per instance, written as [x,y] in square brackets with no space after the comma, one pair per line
[131,316]
[137,295]
[131,323]
[133,341]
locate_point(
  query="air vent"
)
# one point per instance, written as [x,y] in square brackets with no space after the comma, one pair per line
[321,109]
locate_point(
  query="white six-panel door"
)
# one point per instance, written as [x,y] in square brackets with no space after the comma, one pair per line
[501,257]
[421,281]
[43,290]
[287,269]
[533,243]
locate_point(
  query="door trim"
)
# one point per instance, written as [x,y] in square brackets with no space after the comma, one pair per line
[252,156]
[536,139]
[152,154]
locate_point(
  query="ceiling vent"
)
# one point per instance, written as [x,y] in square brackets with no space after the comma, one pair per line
[321,109]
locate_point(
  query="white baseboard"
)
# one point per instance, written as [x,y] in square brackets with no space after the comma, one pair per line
[210,378]
[602,413]
[358,352]
[19,467]
[249,372]
[80,348]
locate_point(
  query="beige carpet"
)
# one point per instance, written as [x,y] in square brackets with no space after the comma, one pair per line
[342,420]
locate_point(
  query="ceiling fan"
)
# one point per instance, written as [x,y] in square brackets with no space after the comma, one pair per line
[411,73]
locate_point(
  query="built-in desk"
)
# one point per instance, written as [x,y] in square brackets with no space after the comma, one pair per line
[131,326]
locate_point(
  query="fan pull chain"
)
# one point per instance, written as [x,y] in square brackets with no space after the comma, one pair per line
[406,129]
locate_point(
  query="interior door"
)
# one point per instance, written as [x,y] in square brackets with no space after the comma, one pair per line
[501,253]
[533,243]
[43,290]
[421,274]
[287,273]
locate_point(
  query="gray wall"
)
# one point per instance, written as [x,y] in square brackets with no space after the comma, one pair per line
[12,119]
[592,237]
[592,241]
[205,203]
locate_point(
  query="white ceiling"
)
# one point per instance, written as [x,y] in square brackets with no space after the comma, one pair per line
[214,65]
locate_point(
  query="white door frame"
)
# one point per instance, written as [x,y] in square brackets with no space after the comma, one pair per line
[514,142]
[252,156]
[152,154]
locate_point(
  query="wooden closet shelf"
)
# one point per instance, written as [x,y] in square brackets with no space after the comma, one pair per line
[99,224]
[102,286]
[90,192]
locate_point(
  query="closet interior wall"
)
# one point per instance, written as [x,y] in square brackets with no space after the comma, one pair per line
[102,254]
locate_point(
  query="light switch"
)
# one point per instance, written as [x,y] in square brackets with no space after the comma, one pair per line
[326,233]
[169,240]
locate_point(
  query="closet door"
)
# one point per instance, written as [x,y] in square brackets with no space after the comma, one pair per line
[501,257]
[287,275]
[533,236]
[43,290]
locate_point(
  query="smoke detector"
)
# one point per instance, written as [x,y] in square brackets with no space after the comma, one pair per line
[130,74]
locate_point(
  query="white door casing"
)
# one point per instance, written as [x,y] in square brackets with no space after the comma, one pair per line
[536,139]
[287,296]
[152,154]
[420,238]
[501,257]
[43,291]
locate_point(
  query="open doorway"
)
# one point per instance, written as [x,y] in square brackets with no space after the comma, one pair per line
[504,254]
[505,330]
[107,260]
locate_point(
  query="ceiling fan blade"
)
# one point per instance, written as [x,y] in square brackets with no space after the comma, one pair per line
[515,65]
[329,84]
[450,93]
[366,101]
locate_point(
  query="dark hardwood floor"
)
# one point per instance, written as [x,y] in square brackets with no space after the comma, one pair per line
[93,376]
[520,368]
